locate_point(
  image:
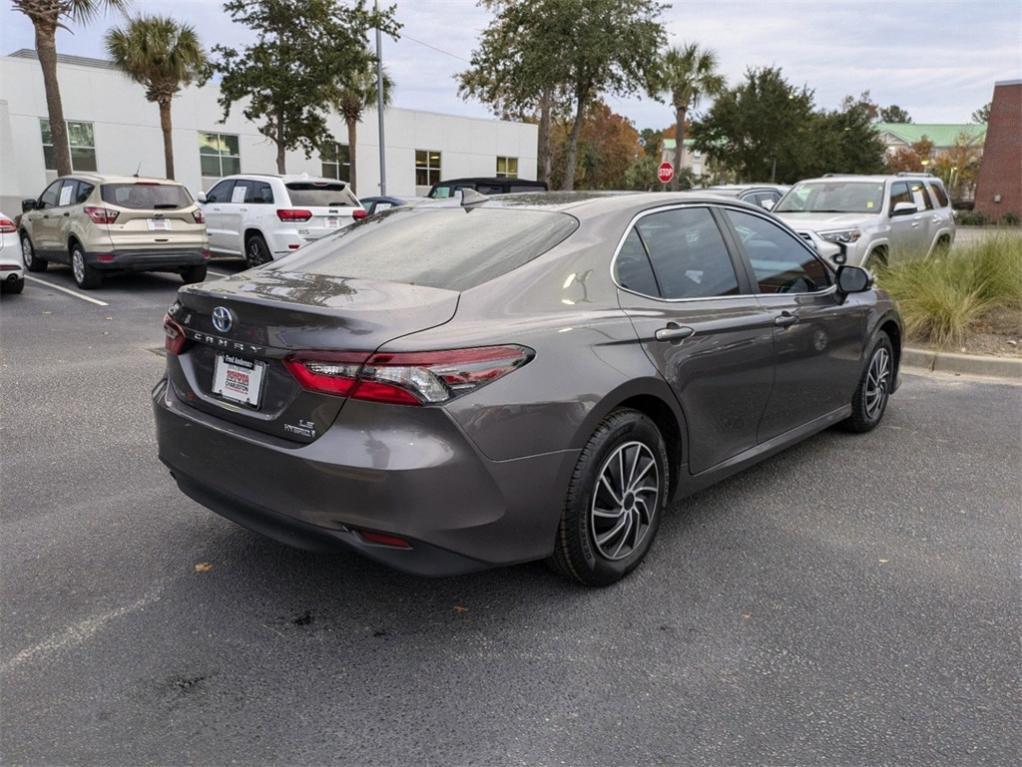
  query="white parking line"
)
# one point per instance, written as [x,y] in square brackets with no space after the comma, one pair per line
[218,274]
[49,284]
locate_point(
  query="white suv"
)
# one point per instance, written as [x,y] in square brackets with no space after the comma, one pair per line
[877,218]
[263,217]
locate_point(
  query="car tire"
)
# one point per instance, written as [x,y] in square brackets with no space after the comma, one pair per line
[14,287]
[615,499]
[256,251]
[869,403]
[86,277]
[876,261]
[193,274]
[28,256]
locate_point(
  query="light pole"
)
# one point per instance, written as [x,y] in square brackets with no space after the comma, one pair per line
[379,102]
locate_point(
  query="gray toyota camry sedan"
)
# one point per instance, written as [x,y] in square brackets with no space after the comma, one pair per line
[449,388]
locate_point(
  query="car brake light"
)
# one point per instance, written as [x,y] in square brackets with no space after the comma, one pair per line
[7,226]
[359,213]
[198,216]
[174,336]
[406,378]
[100,215]
[293,214]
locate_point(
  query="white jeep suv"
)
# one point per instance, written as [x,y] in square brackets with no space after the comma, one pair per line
[263,217]
[877,218]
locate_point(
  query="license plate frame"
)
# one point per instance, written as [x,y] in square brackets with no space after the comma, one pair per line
[158,225]
[333,222]
[238,380]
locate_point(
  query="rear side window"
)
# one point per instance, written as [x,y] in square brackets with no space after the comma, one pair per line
[144,196]
[258,192]
[920,197]
[938,194]
[453,248]
[689,256]
[632,268]
[320,194]
[781,263]
[84,190]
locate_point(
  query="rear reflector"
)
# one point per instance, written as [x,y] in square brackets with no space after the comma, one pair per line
[294,246]
[7,226]
[289,214]
[100,215]
[9,267]
[174,336]
[105,258]
[382,539]
[406,378]
[205,254]
[358,214]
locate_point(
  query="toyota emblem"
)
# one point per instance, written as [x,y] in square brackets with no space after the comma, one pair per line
[222,319]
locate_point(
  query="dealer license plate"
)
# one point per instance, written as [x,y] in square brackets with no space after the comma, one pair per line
[238,379]
[159,225]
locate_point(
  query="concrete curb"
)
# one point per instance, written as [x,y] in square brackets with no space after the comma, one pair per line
[967,364]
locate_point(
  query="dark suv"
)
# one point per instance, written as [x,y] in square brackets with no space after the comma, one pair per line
[488,186]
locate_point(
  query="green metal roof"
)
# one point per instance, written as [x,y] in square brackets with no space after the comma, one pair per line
[941,134]
[670,144]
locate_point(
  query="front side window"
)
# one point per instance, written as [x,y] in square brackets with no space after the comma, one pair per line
[336,161]
[221,192]
[81,142]
[507,167]
[689,257]
[427,167]
[833,197]
[900,193]
[48,198]
[66,196]
[219,154]
[780,261]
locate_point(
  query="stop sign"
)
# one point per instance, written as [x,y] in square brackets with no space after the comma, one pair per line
[665,172]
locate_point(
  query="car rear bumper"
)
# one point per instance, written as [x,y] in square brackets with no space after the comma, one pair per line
[147,259]
[402,471]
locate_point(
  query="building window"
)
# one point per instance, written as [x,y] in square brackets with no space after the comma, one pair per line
[81,142]
[336,160]
[218,154]
[507,167]
[427,167]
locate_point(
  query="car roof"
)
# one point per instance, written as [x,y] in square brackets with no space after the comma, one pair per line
[287,178]
[591,204]
[490,180]
[102,178]
[874,177]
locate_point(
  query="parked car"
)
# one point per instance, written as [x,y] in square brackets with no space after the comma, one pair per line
[878,218]
[485,185]
[764,195]
[377,204]
[260,217]
[448,388]
[106,224]
[12,276]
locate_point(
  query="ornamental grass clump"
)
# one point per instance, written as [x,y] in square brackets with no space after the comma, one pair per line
[943,296]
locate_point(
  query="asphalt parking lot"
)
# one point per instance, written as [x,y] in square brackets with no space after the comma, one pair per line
[853,601]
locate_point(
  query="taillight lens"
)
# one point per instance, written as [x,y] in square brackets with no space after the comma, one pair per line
[174,336]
[199,216]
[359,213]
[293,214]
[100,215]
[406,378]
[7,226]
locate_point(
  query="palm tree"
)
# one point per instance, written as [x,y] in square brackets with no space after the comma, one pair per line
[162,55]
[689,73]
[47,16]
[356,91]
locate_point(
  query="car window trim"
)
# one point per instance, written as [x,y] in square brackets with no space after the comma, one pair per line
[747,262]
[741,276]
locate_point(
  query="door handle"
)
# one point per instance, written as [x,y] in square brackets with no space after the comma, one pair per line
[915,224]
[784,319]
[674,332]
[244,210]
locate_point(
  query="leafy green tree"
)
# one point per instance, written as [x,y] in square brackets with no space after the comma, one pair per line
[843,141]
[356,91]
[894,114]
[290,74]
[687,74]
[650,140]
[163,56]
[982,115]
[47,16]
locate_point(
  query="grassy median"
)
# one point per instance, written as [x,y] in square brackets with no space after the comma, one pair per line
[945,298]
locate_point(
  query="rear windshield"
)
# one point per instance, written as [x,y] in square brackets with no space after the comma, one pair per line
[320,194]
[453,248]
[145,196]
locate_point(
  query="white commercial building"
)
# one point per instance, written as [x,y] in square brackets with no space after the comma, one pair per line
[113,129]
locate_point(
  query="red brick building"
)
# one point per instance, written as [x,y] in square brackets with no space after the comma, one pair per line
[999,186]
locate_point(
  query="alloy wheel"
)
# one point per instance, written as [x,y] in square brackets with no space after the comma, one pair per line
[624,501]
[877,383]
[78,266]
[26,252]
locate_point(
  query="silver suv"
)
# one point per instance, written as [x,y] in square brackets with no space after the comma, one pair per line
[877,218]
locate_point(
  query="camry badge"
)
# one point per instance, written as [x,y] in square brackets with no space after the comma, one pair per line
[222,319]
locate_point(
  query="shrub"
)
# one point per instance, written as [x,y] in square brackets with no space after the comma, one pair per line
[942,296]
[972,218]
[1010,219]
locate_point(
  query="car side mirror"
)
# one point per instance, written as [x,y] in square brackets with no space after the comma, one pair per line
[768,204]
[201,198]
[904,209]
[853,279]
[28,204]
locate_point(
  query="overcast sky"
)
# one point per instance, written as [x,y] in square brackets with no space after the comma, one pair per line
[936,58]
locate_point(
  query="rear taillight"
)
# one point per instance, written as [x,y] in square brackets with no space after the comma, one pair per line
[359,213]
[7,226]
[406,378]
[174,336]
[199,217]
[384,539]
[100,215]
[293,214]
